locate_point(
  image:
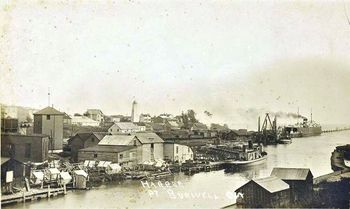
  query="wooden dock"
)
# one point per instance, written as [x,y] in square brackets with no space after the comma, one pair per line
[31,195]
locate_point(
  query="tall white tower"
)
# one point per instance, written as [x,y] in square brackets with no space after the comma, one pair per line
[134,113]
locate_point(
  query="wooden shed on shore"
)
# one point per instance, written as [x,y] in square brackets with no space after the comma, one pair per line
[269,192]
[300,181]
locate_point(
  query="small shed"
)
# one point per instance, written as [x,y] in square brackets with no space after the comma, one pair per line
[113,168]
[37,177]
[80,179]
[65,178]
[269,192]
[53,174]
[300,181]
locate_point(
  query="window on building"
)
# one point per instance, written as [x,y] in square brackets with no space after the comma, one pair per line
[48,117]
[27,150]
[188,149]
[152,146]
[95,155]
[121,156]
[12,150]
[93,139]
[177,149]
[134,142]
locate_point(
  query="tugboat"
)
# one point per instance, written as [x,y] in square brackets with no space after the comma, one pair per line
[248,155]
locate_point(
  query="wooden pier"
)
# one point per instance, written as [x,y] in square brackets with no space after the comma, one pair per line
[31,195]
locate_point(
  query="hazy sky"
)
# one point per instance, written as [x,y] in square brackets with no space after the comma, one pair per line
[235,59]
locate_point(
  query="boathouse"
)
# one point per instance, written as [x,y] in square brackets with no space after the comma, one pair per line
[269,192]
[300,181]
[83,140]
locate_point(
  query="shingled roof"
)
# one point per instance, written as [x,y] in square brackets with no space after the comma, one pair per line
[49,111]
[121,140]
[85,136]
[291,173]
[148,137]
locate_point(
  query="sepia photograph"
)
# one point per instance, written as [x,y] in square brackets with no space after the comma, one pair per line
[175,104]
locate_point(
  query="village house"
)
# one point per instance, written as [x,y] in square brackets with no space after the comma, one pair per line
[95,114]
[237,135]
[83,140]
[149,145]
[125,128]
[200,130]
[173,125]
[84,121]
[269,192]
[177,153]
[152,146]
[67,120]
[49,121]
[300,181]
[145,118]
[124,155]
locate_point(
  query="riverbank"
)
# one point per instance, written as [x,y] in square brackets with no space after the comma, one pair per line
[130,193]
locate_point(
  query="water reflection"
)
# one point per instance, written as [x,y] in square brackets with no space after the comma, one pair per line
[312,152]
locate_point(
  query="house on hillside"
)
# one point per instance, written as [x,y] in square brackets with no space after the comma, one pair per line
[84,121]
[269,192]
[95,114]
[83,140]
[125,128]
[237,135]
[200,130]
[300,181]
[145,118]
[49,121]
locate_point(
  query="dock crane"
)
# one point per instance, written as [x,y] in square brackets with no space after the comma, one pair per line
[267,133]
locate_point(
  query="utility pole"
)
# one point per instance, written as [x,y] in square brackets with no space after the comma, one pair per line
[48,97]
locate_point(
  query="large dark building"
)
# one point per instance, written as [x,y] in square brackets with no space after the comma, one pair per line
[83,140]
[25,148]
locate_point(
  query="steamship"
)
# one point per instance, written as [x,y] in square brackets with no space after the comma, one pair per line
[303,129]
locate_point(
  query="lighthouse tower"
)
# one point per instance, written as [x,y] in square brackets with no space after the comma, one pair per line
[134,114]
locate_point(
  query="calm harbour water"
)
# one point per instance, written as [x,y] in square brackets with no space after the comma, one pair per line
[202,190]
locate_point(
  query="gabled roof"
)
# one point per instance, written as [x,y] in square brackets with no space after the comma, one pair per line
[199,126]
[85,136]
[271,184]
[291,173]
[148,137]
[48,111]
[117,140]
[86,129]
[127,126]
